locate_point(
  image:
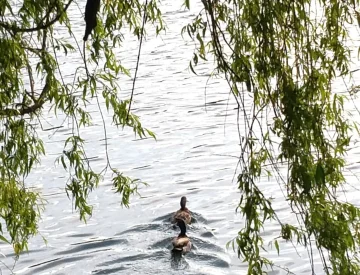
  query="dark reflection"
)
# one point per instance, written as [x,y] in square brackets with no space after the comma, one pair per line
[177,261]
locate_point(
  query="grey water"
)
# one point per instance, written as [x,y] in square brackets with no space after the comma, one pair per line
[194,119]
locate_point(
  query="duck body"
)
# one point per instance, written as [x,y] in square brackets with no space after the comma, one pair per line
[182,242]
[183,213]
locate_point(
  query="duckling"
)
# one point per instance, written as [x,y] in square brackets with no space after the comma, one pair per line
[182,242]
[183,213]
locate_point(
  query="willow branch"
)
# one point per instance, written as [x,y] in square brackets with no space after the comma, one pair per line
[32,82]
[16,29]
[138,59]
[24,110]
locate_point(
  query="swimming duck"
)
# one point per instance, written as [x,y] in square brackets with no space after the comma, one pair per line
[182,242]
[183,213]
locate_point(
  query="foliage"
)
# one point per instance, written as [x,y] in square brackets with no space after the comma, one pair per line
[32,82]
[285,58]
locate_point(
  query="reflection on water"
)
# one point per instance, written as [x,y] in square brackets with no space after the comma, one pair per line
[177,260]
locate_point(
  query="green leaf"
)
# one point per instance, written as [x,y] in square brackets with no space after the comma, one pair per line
[187,4]
[192,69]
[277,247]
[151,133]
[4,239]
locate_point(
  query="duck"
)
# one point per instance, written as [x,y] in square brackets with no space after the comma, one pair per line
[182,242]
[183,213]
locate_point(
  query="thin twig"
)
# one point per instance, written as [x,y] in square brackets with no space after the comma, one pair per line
[138,59]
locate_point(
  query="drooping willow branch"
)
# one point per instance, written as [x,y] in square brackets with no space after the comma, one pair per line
[25,110]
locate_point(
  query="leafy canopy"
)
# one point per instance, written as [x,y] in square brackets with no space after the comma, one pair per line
[32,83]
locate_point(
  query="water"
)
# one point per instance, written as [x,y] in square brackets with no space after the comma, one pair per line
[194,155]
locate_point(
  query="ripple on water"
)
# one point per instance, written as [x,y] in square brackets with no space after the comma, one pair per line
[208,234]
[109,270]
[143,228]
[164,218]
[209,260]
[81,235]
[93,245]
[51,264]
[197,218]
[140,263]
[206,245]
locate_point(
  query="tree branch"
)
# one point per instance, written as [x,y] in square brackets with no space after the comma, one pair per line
[32,82]
[41,26]
[24,110]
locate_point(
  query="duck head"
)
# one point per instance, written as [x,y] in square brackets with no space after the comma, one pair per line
[183,201]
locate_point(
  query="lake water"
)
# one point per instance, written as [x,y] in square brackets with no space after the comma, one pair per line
[194,155]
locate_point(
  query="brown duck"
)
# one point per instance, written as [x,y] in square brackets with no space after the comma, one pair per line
[183,213]
[182,242]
